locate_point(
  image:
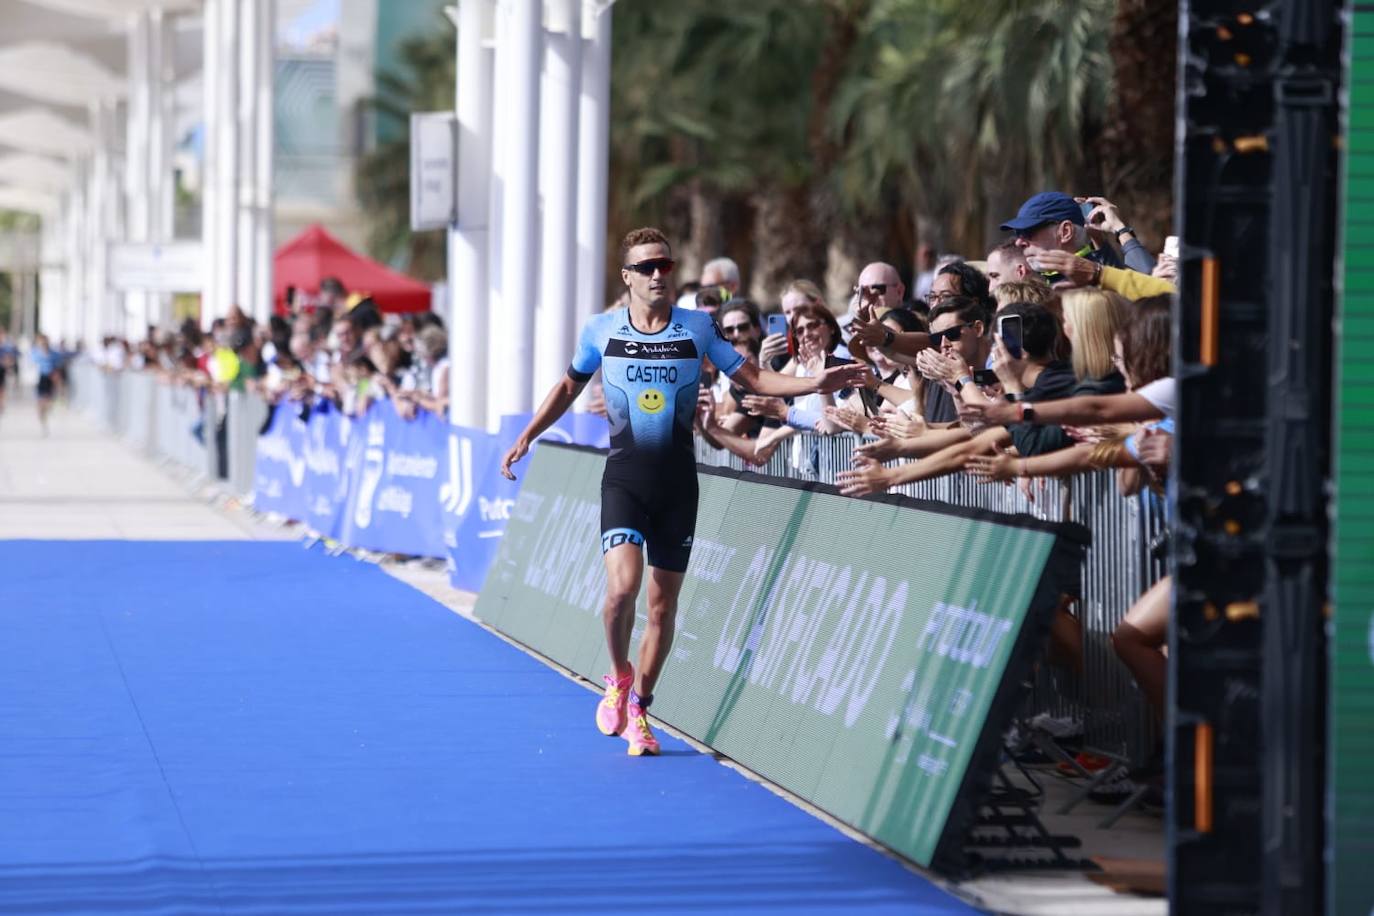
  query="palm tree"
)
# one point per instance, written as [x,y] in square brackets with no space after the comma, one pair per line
[711,107]
[960,107]
[1138,142]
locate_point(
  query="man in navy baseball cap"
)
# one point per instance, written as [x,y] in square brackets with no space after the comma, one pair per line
[1054,221]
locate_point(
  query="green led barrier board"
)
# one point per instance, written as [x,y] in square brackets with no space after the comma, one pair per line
[1351,723]
[851,651]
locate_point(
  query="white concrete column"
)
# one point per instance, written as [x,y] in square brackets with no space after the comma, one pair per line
[105,314]
[161,143]
[52,304]
[520,227]
[28,281]
[209,163]
[136,159]
[265,142]
[556,316]
[136,165]
[498,329]
[73,233]
[227,158]
[593,162]
[246,278]
[468,238]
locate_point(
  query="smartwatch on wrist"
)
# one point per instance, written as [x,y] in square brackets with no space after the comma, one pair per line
[961,381]
[1125,230]
[1027,413]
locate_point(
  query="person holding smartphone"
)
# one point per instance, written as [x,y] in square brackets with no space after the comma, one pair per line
[774,353]
[1054,221]
[1033,376]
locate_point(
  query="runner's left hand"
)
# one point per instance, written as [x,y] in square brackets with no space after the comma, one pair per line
[517,451]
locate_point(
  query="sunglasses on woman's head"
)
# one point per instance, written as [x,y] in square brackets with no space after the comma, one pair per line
[647,268]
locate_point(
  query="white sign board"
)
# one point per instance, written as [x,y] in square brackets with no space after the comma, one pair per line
[433,169]
[151,267]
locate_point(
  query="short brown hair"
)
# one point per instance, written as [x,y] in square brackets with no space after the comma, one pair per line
[1009,248]
[1146,341]
[647,235]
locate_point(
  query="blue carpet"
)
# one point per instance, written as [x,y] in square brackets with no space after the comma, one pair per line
[252,728]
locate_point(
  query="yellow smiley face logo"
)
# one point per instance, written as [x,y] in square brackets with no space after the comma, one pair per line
[651,400]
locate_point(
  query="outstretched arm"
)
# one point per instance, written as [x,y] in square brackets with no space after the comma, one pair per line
[870,477]
[752,378]
[927,443]
[559,399]
[1092,410]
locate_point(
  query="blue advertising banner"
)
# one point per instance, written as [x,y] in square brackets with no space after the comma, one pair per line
[325,486]
[393,499]
[279,471]
[419,487]
[478,500]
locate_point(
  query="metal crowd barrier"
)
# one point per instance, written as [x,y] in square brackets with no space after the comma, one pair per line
[1116,570]
[170,422]
[246,416]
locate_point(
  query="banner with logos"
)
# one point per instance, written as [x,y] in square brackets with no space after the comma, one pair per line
[479,499]
[279,468]
[393,493]
[381,482]
[864,654]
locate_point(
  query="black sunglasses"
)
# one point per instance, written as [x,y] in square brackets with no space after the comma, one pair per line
[734,330]
[647,268]
[951,334]
[872,289]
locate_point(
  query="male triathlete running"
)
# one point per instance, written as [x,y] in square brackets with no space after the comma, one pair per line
[650,359]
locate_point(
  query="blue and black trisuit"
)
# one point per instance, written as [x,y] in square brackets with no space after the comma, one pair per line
[649,486]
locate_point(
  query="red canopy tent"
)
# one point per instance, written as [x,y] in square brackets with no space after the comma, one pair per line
[315,254]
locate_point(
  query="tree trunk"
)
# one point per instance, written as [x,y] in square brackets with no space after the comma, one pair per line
[854,244]
[785,245]
[704,242]
[1138,140]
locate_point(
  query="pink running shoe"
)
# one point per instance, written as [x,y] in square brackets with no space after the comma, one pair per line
[610,712]
[637,732]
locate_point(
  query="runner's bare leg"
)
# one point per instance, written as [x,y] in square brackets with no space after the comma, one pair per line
[624,573]
[664,588]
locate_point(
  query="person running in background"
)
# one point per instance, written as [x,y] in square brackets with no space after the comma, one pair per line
[650,356]
[46,361]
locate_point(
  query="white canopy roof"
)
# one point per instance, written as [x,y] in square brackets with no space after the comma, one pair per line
[56,73]
[38,172]
[40,130]
[115,9]
[27,199]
